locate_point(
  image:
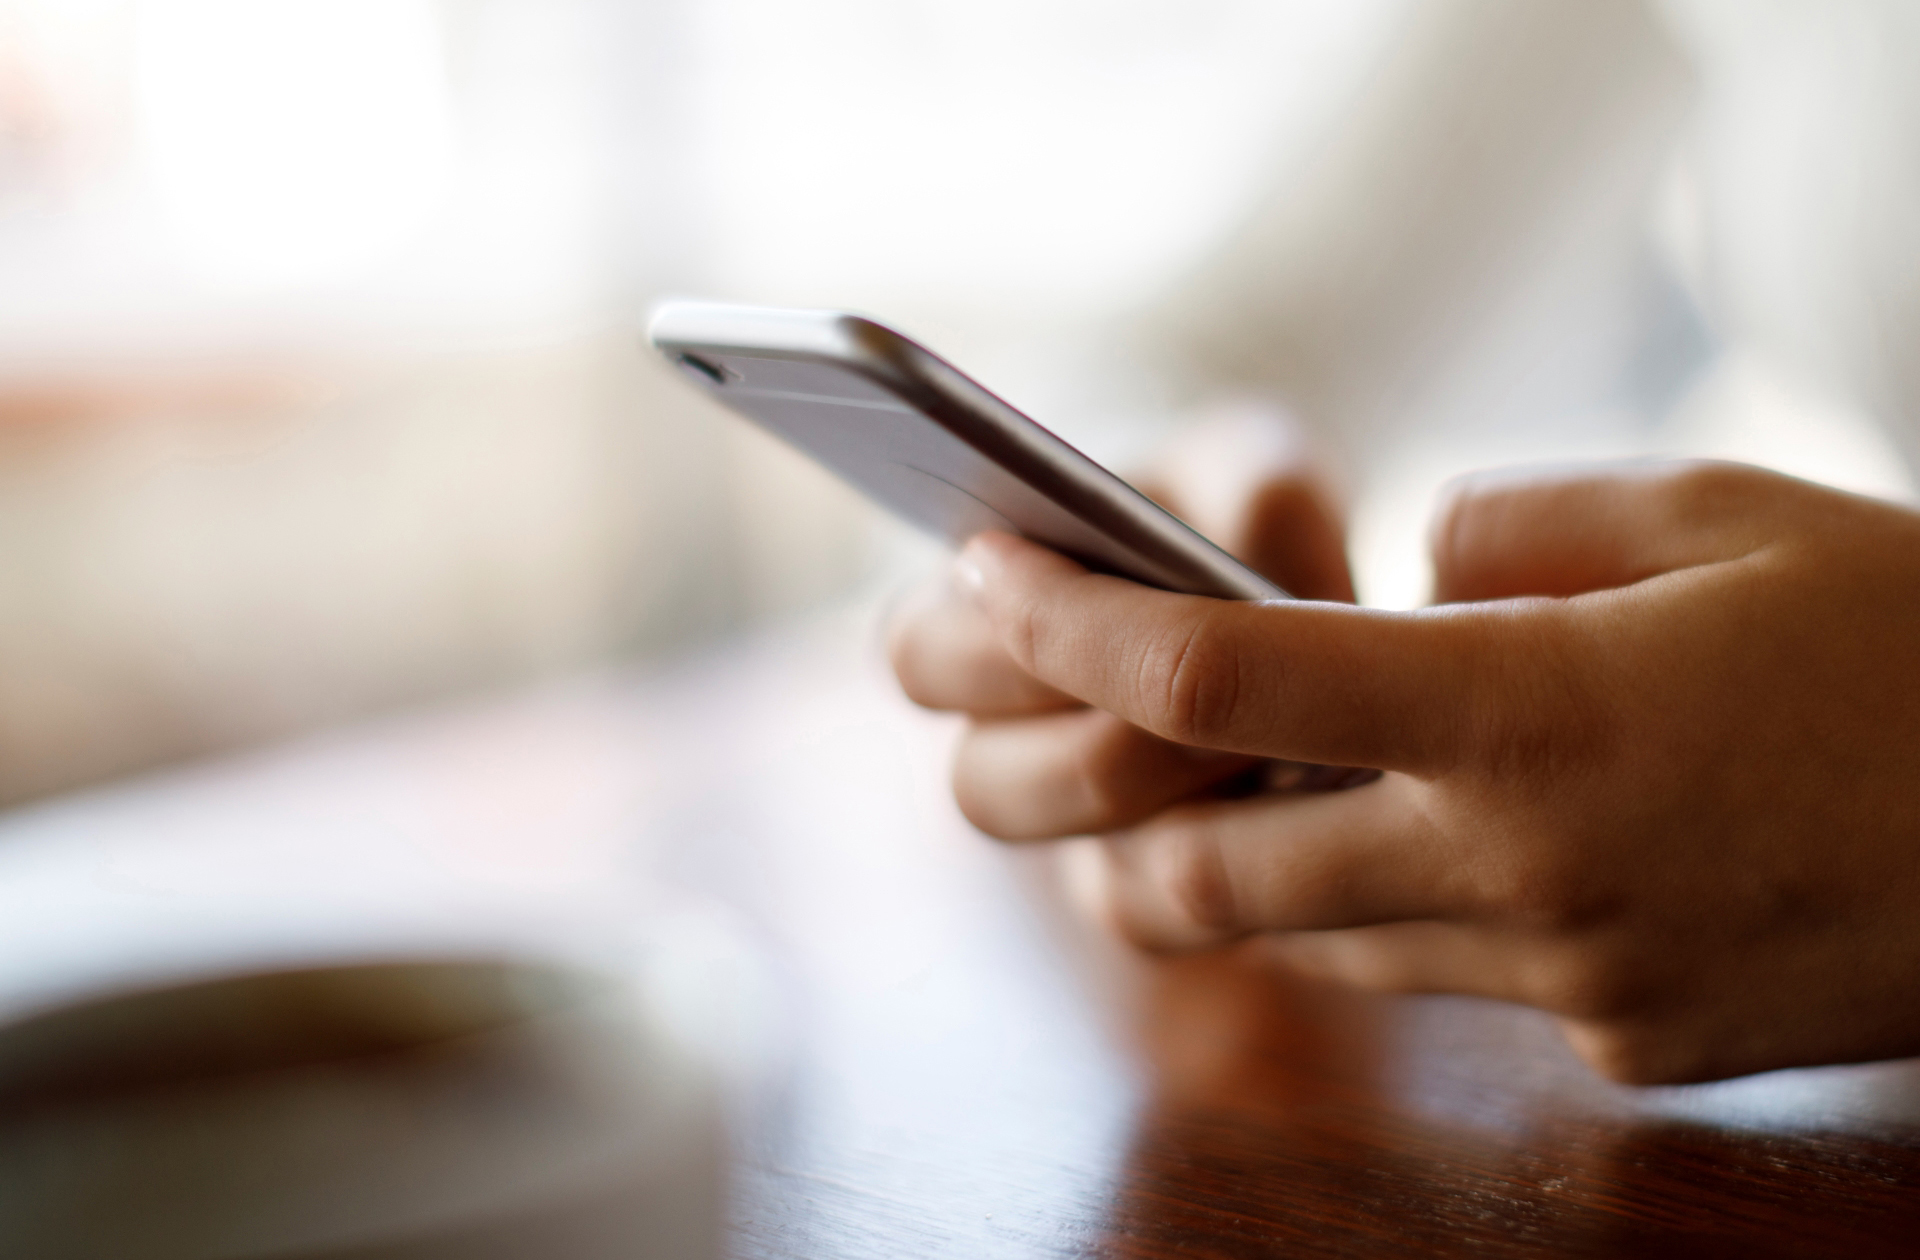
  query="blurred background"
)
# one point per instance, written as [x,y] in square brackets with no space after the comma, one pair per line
[321,389]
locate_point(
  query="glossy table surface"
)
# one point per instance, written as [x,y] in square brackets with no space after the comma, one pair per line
[928,1054]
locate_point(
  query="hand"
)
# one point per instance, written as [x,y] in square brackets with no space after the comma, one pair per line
[1035,762]
[1654,767]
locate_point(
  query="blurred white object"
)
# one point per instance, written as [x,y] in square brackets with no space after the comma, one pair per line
[1806,152]
[290,141]
[569,1122]
[414,992]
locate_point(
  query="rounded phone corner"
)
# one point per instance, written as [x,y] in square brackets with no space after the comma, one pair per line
[869,346]
[664,319]
[847,339]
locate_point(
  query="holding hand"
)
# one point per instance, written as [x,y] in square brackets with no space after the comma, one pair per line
[1653,764]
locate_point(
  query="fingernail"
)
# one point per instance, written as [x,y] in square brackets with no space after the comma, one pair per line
[967,576]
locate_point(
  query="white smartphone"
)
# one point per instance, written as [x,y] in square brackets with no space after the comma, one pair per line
[931,444]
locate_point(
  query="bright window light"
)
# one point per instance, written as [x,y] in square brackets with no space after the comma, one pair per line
[292,142]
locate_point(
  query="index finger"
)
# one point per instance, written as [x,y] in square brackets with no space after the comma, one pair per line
[947,656]
[1319,682]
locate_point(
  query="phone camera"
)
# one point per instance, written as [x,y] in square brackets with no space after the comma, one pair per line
[706,369]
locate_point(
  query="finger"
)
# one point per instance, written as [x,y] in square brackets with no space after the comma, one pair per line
[1565,977]
[1248,479]
[1413,957]
[1565,531]
[946,655]
[1303,681]
[1211,872]
[1068,774]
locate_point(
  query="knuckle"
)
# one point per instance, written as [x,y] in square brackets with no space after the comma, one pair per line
[1708,480]
[1351,957]
[1096,769]
[1591,987]
[1633,1054]
[1022,631]
[1725,510]
[1610,1052]
[1191,682]
[1705,491]
[1543,889]
[1194,879]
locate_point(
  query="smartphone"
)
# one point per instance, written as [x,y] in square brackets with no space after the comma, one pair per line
[928,442]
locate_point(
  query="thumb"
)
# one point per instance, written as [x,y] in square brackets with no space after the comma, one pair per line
[1566,531]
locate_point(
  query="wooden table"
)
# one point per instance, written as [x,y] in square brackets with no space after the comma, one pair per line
[943,1062]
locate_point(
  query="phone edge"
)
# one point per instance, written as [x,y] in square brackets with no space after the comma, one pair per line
[948,396]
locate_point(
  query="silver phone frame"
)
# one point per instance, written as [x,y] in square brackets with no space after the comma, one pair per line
[971,414]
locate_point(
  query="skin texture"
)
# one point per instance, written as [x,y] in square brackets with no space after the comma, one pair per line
[1652,760]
